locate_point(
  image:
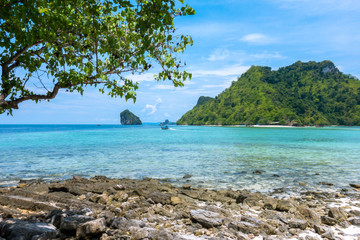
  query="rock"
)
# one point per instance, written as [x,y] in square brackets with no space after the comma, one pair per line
[354,221]
[244,227]
[328,220]
[284,205]
[121,197]
[302,184]
[270,203]
[276,175]
[18,229]
[158,197]
[319,229]
[354,185]
[338,214]
[355,212]
[128,118]
[91,228]
[258,172]
[206,218]
[326,183]
[310,215]
[175,200]
[186,186]
[69,224]
[241,197]
[241,236]
[298,223]
[119,187]
[329,235]
[187,176]
[124,224]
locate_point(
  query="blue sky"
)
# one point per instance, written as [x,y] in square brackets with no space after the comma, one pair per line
[229,36]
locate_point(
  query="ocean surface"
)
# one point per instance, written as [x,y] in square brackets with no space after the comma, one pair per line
[216,157]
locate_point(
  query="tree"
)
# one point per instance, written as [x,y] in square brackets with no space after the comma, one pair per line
[78,43]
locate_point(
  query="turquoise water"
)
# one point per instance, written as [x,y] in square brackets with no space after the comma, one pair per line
[216,157]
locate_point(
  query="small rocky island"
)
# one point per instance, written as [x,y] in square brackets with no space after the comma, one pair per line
[128,118]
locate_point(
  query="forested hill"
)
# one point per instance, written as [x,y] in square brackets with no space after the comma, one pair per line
[309,93]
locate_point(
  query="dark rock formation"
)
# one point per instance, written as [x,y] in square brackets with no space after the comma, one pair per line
[128,118]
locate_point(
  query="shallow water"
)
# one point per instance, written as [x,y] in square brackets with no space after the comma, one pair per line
[216,157]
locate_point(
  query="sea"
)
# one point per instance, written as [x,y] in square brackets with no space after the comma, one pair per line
[254,158]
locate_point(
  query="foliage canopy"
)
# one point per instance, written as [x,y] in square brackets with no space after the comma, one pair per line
[301,94]
[75,43]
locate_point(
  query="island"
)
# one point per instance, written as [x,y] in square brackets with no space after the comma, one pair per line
[128,118]
[311,93]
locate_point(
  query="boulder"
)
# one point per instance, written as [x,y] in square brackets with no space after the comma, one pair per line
[158,197]
[284,205]
[354,221]
[91,228]
[338,214]
[206,218]
[298,223]
[18,229]
[244,227]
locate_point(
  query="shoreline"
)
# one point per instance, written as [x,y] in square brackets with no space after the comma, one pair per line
[104,208]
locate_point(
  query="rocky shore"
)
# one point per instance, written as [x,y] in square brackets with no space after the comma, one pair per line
[103,208]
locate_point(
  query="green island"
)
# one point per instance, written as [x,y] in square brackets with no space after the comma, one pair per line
[311,93]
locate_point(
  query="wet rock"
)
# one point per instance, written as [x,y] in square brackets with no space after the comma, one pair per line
[187,176]
[354,221]
[258,172]
[298,223]
[18,229]
[242,196]
[206,218]
[338,214]
[276,175]
[186,186]
[354,185]
[326,183]
[91,228]
[284,205]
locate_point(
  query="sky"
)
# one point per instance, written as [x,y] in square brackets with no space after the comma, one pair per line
[229,37]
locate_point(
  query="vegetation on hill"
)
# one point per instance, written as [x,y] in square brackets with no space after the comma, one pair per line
[312,93]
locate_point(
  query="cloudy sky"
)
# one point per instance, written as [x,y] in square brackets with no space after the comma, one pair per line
[229,36]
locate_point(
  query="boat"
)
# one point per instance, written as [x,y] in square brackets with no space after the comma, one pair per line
[164,127]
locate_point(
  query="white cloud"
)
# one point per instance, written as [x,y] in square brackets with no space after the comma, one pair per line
[267,55]
[145,77]
[222,72]
[319,7]
[152,108]
[219,54]
[257,38]
[163,86]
